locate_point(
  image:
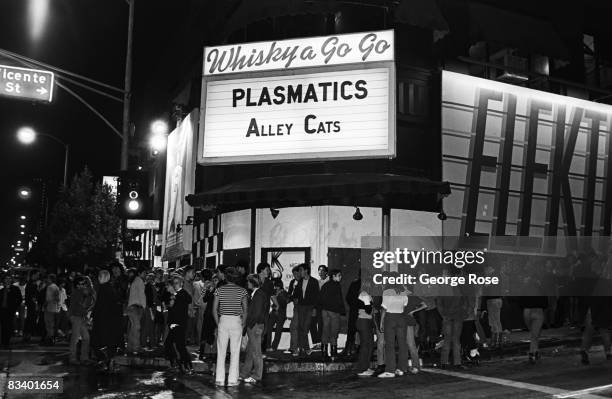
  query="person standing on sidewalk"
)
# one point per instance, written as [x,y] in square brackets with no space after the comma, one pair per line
[81,302]
[32,308]
[52,308]
[10,299]
[252,369]
[307,296]
[278,315]
[229,311]
[533,306]
[198,290]
[351,299]
[137,302]
[316,327]
[293,326]
[365,327]
[331,305]
[177,322]
[393,326]
[267,287]
[189,277]
[107,331]
[147,330]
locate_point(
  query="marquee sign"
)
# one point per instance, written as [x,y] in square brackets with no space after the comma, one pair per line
[524,162]
[266,110]
[352,48]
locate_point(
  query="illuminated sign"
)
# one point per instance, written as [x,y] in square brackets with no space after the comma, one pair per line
[142,224]
[354,48]
[524,162]
[31,84]
[347,113]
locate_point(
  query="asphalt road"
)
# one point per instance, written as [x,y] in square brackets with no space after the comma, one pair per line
[559,376]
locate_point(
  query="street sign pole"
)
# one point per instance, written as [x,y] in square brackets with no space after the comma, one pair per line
[26,83]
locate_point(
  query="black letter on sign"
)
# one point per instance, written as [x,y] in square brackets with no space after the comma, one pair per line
[253,128]
[554,185]
[606,212]
[529,163]
[479,124]
[591,171]
[564,168]
[500,212]
[237,94]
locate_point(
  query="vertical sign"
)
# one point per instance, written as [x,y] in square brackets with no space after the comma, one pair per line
[180,181]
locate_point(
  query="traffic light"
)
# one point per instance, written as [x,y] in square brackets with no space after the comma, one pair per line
[133,195]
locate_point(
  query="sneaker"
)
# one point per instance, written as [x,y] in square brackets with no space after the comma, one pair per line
[219,383]
[366,373]
[413,370]
[250,380]
[233,384]
[295,353]
[386,374]
[288,352]
[399,372]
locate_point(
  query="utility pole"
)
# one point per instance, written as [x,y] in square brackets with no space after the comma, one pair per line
[127,95]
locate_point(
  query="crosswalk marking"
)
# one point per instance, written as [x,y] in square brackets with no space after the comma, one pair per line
[582,392]
[510,383]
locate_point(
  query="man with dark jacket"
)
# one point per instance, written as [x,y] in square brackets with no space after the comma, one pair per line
[331,305]
[307,296]
[177,323]
[252,369]
[352,296]
[10,299]
[32,308]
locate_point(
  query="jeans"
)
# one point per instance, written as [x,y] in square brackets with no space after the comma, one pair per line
[134,314]
[293,328]
[395,331]
[228,331]
[380,348]
[50,323]
[79,330]
[253,363]
[147,330]
[451,329]
[304,319]
[534,318]
[199,320]
[365,328]
[494,310]
[331,328]
[412,348]
[276,324]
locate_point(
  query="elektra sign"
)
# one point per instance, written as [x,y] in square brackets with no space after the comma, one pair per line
[524,162]
[257,106]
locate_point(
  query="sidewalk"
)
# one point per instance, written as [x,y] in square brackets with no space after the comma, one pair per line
[279,362]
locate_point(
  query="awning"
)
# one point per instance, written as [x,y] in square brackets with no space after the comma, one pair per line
[350,189]
[514,30]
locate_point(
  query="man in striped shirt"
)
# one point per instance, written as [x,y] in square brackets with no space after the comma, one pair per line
[229,312]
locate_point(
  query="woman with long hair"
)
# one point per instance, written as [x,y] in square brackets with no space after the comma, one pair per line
[107,332]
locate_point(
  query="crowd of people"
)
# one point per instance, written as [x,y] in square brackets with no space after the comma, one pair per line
[110,311]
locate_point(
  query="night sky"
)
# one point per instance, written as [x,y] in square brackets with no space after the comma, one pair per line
[87,37]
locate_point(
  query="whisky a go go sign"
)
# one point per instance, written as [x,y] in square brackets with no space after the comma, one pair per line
[315,98]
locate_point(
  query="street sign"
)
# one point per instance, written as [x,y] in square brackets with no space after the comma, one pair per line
[25,83]
[142,224]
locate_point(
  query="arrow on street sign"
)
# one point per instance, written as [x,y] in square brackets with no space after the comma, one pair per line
[26,83]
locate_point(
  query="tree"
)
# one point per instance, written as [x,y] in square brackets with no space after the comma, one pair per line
[84,223]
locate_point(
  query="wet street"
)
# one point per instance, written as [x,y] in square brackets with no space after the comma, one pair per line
[560,376]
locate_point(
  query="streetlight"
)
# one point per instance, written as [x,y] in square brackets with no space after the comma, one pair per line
[159,136]
[22,217]
[24,193]
[22,226]
[26,135]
